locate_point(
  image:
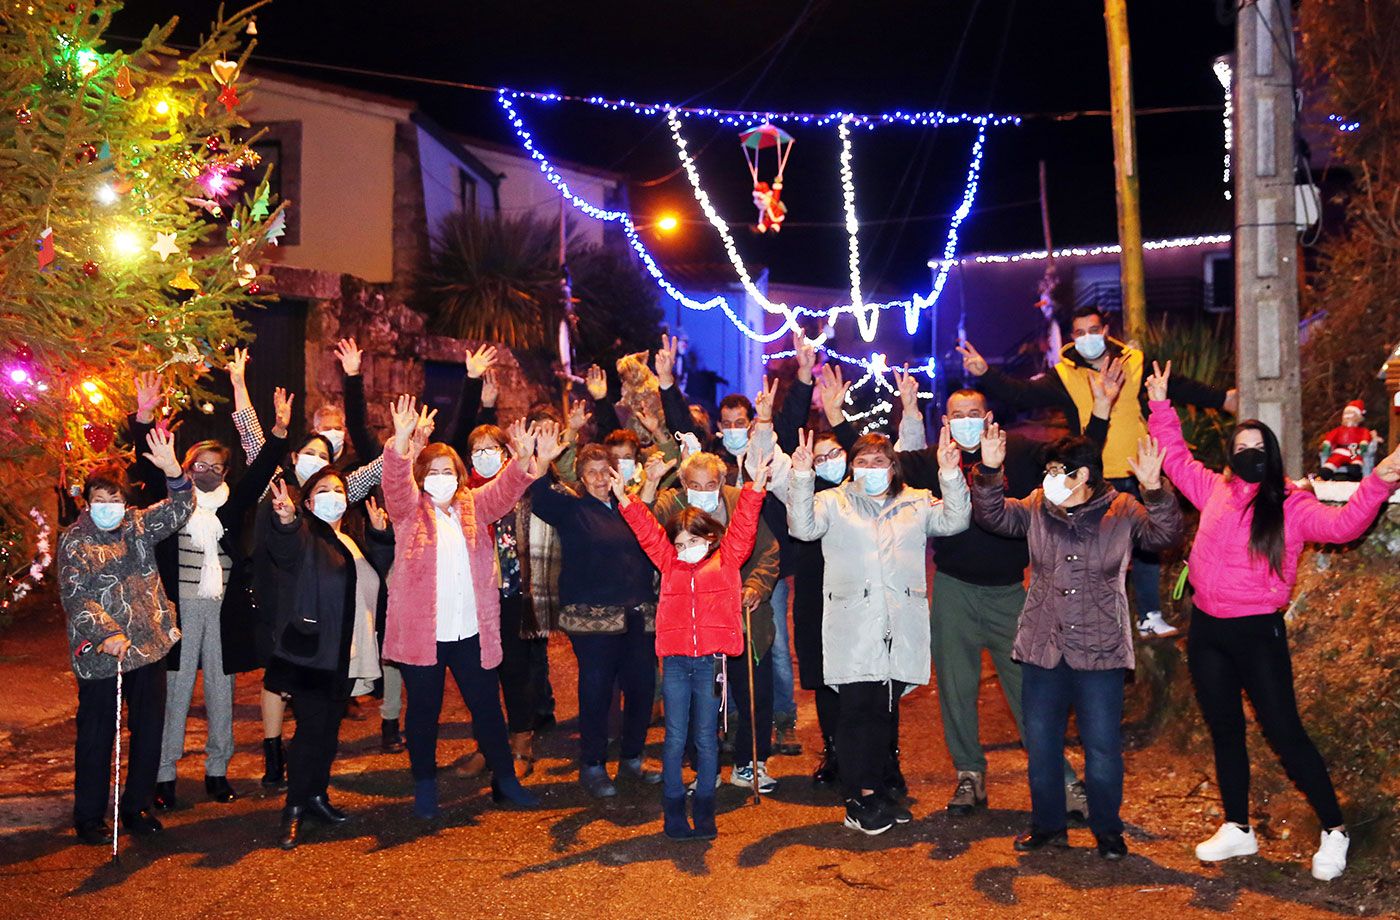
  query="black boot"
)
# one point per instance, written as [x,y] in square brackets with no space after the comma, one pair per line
[674,822]
[141,824]
[390,740]
[218,789]
[703,811]
[1034,840]
[274,764]
[291,826]
[320,808]
[894,778]
[826,773]
[165,796]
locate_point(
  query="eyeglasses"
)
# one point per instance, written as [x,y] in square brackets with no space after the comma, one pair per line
[485,451]
[831,455]
[201,467]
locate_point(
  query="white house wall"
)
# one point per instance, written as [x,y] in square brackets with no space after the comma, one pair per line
[524,190]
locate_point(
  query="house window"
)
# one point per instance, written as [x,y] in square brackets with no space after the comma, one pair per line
[1220,282]
[279,161]
[466,192]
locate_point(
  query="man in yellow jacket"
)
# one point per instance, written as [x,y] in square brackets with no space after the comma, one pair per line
[1067,388]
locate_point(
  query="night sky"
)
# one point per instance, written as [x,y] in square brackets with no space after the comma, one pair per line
[872,55]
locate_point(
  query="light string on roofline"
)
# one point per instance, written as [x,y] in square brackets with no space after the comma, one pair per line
[740,118]
[1180,242]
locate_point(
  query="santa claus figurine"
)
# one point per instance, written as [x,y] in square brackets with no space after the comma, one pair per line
[1344,448]
[771,210]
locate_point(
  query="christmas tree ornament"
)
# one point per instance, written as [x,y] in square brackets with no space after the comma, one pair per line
[767,196]
[276,227]
[252,27]
[121,84]
[260,209]
[87,153]
[90,269]
[152,322]
[18,407]
[213,144]
[23,116]
[183,282]
[24,353]
[247,275]
[45,248]
[98,436]
[254,288]
[165,245]
[229,97]
[224,71]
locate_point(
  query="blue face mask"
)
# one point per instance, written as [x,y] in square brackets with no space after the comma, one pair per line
[1090,346]
[833,470]
[735,439]
[627,469]
[107,515]
[967,431]
[874,480]
[707,502]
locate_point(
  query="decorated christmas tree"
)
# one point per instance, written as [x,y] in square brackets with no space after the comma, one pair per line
[129,232]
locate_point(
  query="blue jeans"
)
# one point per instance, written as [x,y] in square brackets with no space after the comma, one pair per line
[626,661]
[692,714]
[1097,699]
[1146,571]
[784,703]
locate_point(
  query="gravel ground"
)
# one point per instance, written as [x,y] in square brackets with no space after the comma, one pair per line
[786,857]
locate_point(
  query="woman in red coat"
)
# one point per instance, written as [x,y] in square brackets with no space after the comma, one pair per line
[697,625]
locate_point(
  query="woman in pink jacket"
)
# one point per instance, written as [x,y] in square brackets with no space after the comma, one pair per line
[444,607]
[1243,567]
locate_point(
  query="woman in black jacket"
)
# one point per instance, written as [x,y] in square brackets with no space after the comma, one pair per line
[331,590]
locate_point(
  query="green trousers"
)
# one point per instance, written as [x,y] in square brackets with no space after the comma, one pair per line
[966,619]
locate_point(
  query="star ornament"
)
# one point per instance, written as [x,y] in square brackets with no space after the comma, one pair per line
[229,97]
[165,245]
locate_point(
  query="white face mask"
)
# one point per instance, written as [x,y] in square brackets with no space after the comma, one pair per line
[336,437]
[693,553]
[309,465]
[441,486]
[107,515]
[875,480]
[967,431]
[488,461]
[1056,492]
[1090,345]
[833,470]
[627,469]
[328,506]
[707,502]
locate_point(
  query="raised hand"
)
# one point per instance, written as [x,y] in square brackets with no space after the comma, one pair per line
[281,411]
[282,504]
[149,387]
[618,485]
[548,443]
[349,354]
[490,389]
[578,416]
[480,361]
[802,456]
[1157,381]
[648,420]
[657,467]
[973,362]
[806,355]
[1147,467]
[908,390]
[521,439]
[949,453]
[762,470]
[162,453]
[1105,385]
[666,361]
[993,446]
[597,382]
[423,430]
[378,517]
[763,400]
[404,412]
[833,394]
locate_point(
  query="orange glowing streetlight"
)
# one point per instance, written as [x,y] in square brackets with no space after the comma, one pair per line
[668,223]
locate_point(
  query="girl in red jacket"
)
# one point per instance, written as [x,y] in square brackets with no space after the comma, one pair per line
[1243,567]
[697,625]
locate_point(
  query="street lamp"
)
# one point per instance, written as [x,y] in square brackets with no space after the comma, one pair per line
[668,223]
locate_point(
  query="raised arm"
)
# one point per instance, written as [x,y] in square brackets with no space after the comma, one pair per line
[1186,472]
[953,514]
[739,538]
[807,518]
[1009,517]
[1321,523]
[650,535]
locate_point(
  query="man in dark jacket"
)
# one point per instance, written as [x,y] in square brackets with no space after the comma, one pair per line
[1067,388]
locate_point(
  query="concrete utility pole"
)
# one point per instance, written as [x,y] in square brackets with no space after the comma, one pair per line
[1266,247]
[1120,74]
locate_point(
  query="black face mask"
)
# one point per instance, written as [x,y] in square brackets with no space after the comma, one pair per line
[1248,464]
[207,481]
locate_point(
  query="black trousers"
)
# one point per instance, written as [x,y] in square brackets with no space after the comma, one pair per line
[319,711]
[1229,656]
[144,692]
[517,683]
[828,713]
[426,684]
[762,704]
[867,733]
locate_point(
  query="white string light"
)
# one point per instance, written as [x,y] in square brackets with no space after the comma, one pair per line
[866,320]
[950,246]
[1225,74]
[1181,242]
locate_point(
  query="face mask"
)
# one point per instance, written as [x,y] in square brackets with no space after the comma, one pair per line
[833,470]
[207,481]
[1091,346]
[441,486]
[107,515]
[735,439]
[309,465]
[328,506]
[707,502]
[487,462]
[967,431]
[336,437]
[1248,464]
[693,554]
[1056,492]
[627,469]
[874,480]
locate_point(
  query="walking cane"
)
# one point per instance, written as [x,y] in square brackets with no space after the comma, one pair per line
[117,763]
[753,692]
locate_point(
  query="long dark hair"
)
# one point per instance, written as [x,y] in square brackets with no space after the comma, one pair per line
[1266,524]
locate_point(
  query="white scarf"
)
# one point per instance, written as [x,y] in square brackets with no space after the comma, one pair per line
[206,530]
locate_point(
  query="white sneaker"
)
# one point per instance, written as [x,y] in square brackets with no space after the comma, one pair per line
[744,777]
[1230,841]
[1154,626]
[1330,860]
[719,781]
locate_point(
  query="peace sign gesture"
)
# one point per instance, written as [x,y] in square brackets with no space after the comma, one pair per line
[761,470]
[949,453]
[378,517]
[908,390]
[806,445]
[282,504]
[806,355]
[666,361]
[1158,381]
[657,467]
[973,362]
[763,399]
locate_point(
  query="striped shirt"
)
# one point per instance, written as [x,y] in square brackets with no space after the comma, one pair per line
[358,484]
[192,563]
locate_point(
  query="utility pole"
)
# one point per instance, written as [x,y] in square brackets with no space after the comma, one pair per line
[1120,74]
[1266,247]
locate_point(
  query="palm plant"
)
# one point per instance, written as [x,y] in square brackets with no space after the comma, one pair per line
[1203,351]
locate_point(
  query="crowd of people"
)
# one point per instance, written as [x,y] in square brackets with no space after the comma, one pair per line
[339,565]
